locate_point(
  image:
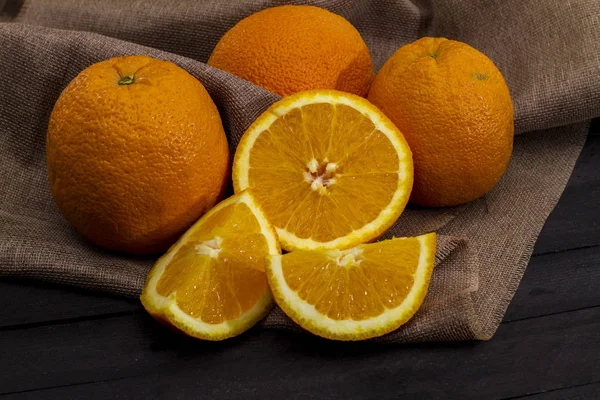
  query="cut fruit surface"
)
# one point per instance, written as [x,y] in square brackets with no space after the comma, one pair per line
[354,294]
[328,169]
[211,284]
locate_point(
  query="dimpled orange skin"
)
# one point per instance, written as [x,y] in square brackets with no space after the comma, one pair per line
[288,49]
[455,111]
[132,166]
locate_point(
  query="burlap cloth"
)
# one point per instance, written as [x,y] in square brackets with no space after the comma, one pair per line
[547,50]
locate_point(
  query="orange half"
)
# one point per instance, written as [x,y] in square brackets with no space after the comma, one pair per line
[328,169]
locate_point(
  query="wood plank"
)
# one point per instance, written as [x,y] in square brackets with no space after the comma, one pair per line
[575,222]
[25,302]
[558,282]
[133,356]
[584,392]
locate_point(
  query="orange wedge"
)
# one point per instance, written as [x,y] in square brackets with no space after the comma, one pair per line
[328,169]
[354,294]
[211,284]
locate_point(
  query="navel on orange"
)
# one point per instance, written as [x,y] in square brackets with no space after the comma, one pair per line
[328,169]
[354,294]
[211,284]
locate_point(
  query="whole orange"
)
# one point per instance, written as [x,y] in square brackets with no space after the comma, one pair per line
[136,153]
[454,109]
[288,49]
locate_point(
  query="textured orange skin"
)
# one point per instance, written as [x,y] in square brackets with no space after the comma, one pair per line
[133,166]
[288,49]
[454,109]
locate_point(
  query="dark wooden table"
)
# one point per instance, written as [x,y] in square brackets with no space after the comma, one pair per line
[60,343]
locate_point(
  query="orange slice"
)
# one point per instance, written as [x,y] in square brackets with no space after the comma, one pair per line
[211,284]
[328,169]
[354,294]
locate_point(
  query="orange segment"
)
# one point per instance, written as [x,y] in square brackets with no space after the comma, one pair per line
[354,294]
[211,284]
[328,169]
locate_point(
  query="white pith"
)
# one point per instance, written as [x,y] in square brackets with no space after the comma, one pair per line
[211,248]
[320,182]
[347,258]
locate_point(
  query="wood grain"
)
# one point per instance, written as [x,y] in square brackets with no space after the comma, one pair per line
[136,356]
[558,282]
[584,392]
[25,303]
[575,222]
